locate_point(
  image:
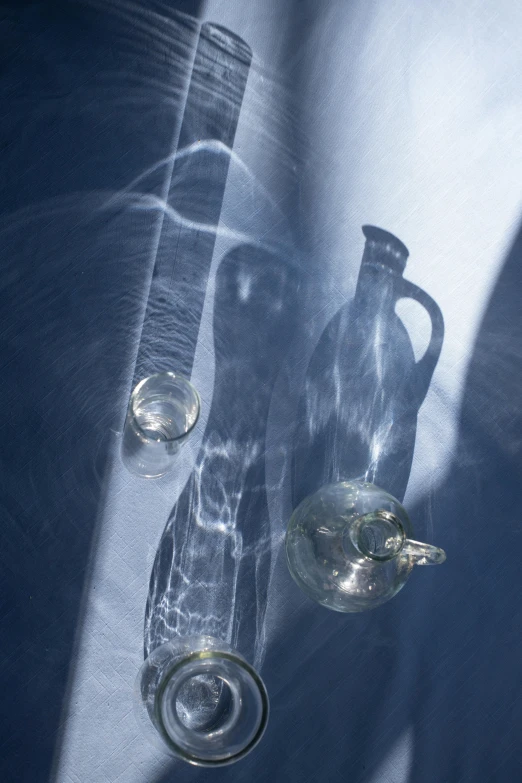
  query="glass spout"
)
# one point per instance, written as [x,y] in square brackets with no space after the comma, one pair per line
[423,554]
[378,535]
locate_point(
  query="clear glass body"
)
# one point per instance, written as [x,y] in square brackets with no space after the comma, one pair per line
[349,546]
[200,700]
[163,410]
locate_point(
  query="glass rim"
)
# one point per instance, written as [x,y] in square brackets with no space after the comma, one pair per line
[195,760]
[173,376]
[393,519]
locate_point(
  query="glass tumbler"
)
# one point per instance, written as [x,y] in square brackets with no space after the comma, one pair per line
[163,411]
[201,701]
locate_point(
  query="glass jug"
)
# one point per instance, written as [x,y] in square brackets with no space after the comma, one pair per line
[349,546]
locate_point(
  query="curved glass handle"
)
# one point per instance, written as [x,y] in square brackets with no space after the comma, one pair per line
[425,367]
[423,554]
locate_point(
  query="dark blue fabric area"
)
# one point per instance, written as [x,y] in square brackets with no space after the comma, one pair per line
[86,106]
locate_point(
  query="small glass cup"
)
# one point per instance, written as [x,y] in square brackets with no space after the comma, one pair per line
[163,411]
[200,700]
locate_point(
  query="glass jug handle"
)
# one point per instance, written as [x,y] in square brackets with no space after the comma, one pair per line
[423,554]
[425,367]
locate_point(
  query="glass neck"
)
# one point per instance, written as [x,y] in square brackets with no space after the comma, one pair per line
[376,287]
[380,536]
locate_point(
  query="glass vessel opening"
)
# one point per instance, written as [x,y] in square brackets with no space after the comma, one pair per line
[378,535]
[202,700]
[165,407]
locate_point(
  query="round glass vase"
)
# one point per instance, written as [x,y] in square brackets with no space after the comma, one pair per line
[349,546]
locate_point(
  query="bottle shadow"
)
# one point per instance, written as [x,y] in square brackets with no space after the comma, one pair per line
[197,178]
[211,573]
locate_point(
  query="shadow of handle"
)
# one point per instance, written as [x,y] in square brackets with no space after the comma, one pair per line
[425,367]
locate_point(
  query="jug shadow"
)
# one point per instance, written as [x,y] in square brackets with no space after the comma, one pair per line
[212,568]
[77,239]
[357,417]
